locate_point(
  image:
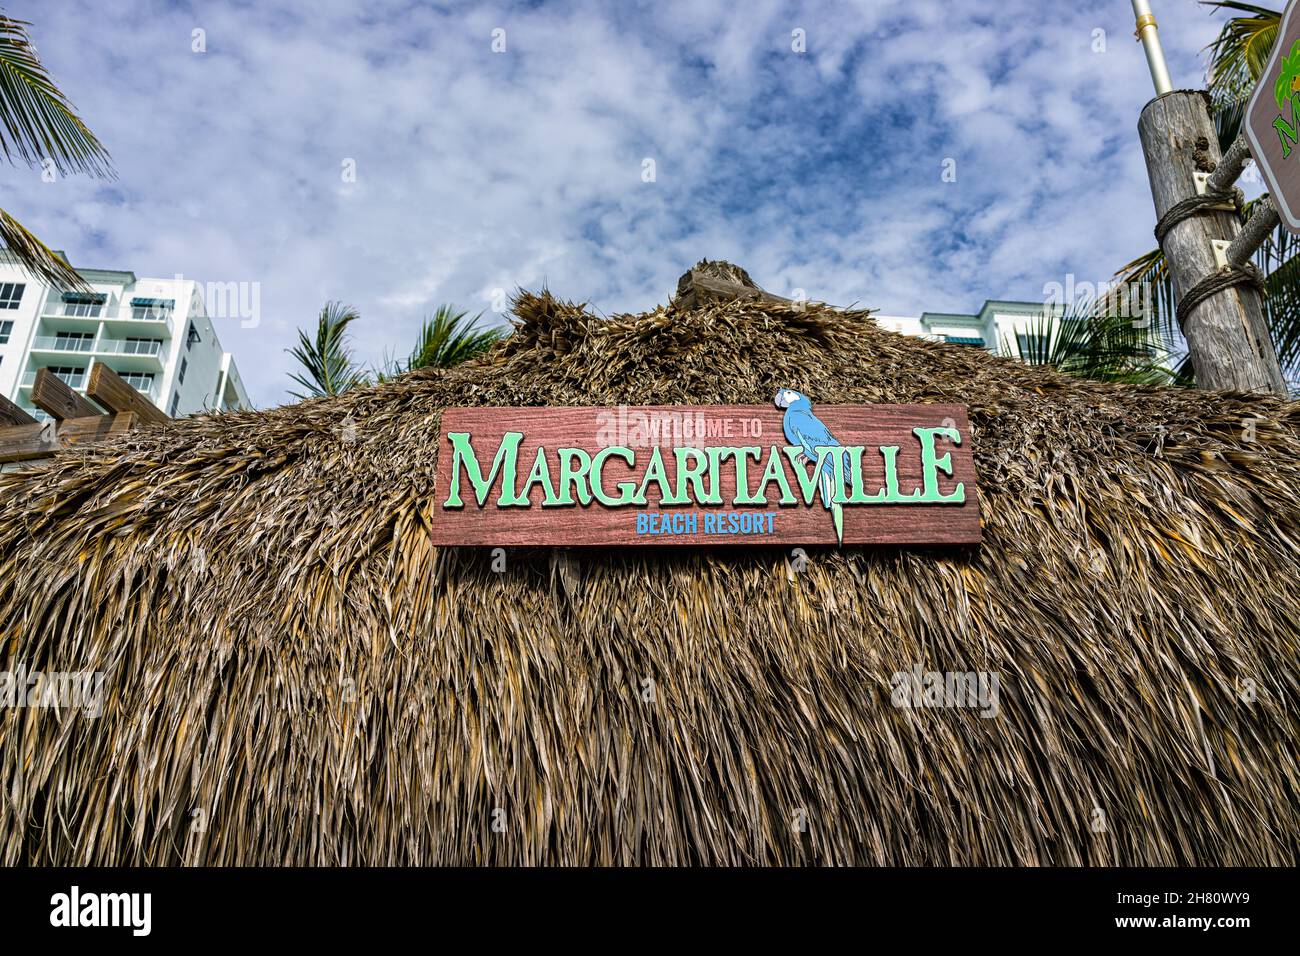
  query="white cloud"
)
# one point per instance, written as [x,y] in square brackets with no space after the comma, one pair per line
[478,171]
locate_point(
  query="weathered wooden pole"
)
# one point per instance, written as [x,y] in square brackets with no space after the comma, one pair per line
[1220,309]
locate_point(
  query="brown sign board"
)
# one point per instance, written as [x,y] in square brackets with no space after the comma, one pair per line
[706,475]
[1272,123]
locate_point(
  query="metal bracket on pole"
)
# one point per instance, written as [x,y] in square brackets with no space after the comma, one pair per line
[1220,251]
[1202,181]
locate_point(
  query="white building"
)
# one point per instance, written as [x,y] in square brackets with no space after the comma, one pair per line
[1003,328]
[155,333]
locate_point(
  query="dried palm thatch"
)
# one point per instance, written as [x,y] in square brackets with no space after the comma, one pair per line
[295,676]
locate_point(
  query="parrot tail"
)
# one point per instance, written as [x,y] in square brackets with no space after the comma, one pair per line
[836,509]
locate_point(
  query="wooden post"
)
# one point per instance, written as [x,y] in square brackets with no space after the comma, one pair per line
[116,394]
[1226,333]
[56,398]
[28,442]
[11,414]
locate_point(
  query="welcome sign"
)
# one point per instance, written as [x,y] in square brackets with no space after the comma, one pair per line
[783,474]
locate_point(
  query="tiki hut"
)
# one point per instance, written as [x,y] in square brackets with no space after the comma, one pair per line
[295,675]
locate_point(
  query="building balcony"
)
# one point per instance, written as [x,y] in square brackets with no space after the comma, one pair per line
[78,384]
[128,321]
[53,343]
[129,356]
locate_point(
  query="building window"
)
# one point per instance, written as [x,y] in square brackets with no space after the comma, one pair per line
[6,327]
[83,305]
[11,293]
[74,341]
[180,373]
[176,400]
[152,309]
[140,381]
[72,376]
[191,337]
[964,340]
[142,346]
[1032,347]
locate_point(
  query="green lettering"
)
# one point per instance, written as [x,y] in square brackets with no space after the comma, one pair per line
[655,471]
[541,474]
[695,476]
[504,463]
[858,491]
[892,494]
[628,488]
[742,455]
[775,471]
[931,465]
[575,477]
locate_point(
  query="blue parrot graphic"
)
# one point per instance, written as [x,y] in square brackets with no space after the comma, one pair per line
[806,430]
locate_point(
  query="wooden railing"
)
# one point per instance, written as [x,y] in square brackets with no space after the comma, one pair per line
[73,418]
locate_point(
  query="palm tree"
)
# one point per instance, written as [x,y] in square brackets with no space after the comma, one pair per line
[327,364]
[1096,341]
[39,127]
[447,338]
[1237,60]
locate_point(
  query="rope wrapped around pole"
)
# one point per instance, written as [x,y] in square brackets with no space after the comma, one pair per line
[1225,278]
[1228,200]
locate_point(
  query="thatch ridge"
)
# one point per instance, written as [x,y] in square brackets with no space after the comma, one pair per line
[297,676]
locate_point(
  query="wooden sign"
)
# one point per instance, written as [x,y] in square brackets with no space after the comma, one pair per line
[1272,121]
[706,475]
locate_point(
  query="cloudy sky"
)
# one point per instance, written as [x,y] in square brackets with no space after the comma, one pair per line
[479,169]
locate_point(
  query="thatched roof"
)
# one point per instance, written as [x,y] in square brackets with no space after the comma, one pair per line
[296,675]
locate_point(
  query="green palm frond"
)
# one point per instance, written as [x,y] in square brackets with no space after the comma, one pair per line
[1095,340]
[1239,54]
[37,123]
[1282,310]
[327,364]
[35,255]
[447,338]
[450,337]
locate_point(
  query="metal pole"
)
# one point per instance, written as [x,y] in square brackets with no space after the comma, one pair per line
[1149,34]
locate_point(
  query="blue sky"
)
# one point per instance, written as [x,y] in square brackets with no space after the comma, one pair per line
[478,171]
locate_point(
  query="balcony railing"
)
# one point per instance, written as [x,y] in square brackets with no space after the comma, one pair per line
[128,314]
[125,347]
[59,343]
[78,383]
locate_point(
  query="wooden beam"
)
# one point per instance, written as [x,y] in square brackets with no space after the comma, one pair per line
[26,442]
[55,397]
[117,395]
[11,414]
[708,282]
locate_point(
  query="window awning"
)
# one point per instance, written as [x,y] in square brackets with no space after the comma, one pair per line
[161,303]
[85,298]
